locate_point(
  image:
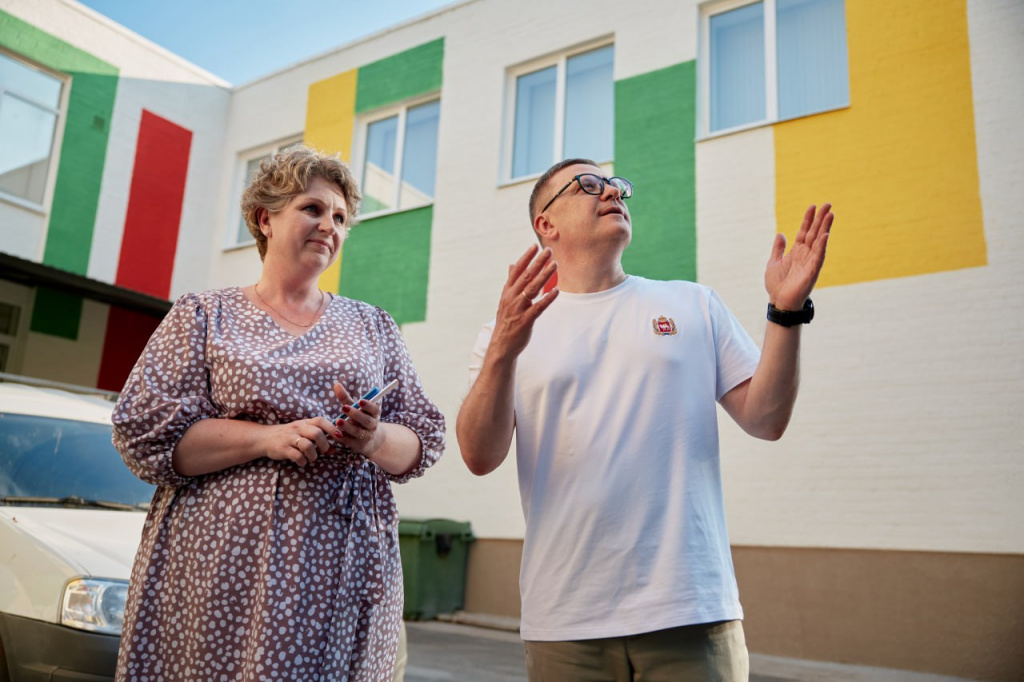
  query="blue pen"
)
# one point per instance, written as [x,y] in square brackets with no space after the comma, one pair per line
[375,394]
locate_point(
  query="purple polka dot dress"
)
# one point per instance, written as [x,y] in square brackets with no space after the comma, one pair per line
[265,571]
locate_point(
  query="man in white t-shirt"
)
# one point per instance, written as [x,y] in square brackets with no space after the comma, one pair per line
[610,383]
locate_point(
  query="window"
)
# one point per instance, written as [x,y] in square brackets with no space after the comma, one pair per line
[560,110]
[400,161]
[45,456]
[9,317]
[30,103]
[249,166]
[770,61]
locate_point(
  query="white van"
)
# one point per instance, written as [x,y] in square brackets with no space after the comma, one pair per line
[71,517]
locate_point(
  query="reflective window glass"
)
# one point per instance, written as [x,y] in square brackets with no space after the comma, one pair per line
[737,88]
[26,139]
[590,106]
[47,457]
[9,315]
[419,165]
[534,136]
[811,49]
[252,166]
[379,170]
[32,84]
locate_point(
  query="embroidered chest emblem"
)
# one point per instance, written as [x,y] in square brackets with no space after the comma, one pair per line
[664,326]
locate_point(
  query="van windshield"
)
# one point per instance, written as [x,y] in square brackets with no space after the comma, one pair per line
[47,460]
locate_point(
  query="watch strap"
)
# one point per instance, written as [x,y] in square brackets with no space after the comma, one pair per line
[791,318]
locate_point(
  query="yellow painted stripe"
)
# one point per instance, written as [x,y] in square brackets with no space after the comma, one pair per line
[330,122]
[900,164]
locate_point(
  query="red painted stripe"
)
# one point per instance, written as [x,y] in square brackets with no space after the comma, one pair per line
[551,283]
[154,206]
[127,334]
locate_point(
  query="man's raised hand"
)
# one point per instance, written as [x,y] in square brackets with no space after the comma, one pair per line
[790,277]
[518,309]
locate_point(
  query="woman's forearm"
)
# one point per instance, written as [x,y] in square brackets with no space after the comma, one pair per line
[212,445]
[400,450]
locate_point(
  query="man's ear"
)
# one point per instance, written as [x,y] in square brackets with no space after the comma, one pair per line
[545,229]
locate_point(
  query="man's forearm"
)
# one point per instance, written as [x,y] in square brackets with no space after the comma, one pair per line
[487,418]
[774,386]
[763,406]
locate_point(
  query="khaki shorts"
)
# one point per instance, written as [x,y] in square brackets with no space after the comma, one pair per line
[709,652]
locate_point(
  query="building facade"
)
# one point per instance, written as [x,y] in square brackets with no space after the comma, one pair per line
[109,151]
[884,528]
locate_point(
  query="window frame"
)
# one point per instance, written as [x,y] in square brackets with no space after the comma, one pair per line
[560,60]
[240,182]
[360,146]
[42,208]
[771,75]
[22,297]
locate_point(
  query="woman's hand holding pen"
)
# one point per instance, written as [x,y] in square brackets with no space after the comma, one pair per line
[359,432]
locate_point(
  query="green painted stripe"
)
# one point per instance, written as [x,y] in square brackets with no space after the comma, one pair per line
[387,263]
[80,172]
[654,147]
[84,146]
[56,313]
[80,169]
[27,40]
[416,71]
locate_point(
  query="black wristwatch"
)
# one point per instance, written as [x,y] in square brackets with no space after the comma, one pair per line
[791,318]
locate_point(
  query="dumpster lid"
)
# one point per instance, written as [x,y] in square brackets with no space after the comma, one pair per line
[428,529]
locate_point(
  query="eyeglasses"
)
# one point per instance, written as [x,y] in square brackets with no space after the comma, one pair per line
[594,184]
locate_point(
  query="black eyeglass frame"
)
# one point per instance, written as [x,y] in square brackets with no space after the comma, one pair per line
[604,182]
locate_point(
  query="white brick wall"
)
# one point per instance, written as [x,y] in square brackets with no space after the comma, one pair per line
[906,434]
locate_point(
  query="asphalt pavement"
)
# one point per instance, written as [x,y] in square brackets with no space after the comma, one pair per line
[450,652]
[463,653]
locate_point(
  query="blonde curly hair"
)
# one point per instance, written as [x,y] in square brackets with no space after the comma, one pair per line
[287,174]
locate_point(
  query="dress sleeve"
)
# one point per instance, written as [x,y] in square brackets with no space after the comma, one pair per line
[167,391]
[408,404]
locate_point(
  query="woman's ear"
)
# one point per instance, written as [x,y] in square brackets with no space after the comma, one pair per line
[263,218]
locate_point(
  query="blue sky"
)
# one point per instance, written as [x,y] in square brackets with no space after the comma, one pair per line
[240,40]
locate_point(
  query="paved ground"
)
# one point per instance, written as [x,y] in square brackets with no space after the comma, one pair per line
[463,653]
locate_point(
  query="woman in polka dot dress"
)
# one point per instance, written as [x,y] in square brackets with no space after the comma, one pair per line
[271,550]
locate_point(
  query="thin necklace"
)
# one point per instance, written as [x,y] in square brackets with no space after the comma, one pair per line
[256,288]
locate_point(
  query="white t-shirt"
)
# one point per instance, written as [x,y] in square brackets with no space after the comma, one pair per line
[617,450]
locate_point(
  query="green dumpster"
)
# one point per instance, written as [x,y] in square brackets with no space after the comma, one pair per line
[434,565]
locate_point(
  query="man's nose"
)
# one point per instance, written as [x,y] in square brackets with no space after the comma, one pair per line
[611,191]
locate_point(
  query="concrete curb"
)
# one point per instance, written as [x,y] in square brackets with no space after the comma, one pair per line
[481,620]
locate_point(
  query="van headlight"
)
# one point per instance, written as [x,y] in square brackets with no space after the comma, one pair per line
[94,604]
